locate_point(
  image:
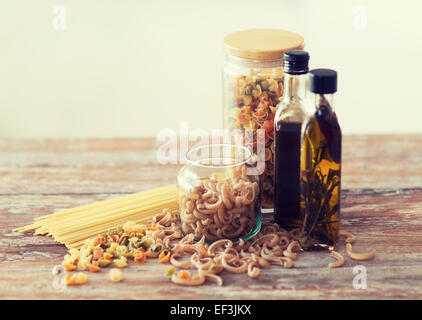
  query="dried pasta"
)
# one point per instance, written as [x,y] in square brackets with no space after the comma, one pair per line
[338,257]
[350,238]
[265,249]
[73,226]
[161,235]
[220,210]
[359,256]
[115,275]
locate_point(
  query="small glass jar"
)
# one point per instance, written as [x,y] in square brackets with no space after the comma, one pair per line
[217,196]
[252,87]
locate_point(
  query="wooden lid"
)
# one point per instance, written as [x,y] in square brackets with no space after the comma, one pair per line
[262,44]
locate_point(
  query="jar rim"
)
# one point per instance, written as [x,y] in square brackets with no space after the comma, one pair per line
[198,163]
[254,63]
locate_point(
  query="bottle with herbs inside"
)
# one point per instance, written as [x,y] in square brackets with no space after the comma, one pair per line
[288,122]
[321,166]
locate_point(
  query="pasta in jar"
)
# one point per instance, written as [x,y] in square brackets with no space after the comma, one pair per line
[252,88]
[253,104]
[219,201]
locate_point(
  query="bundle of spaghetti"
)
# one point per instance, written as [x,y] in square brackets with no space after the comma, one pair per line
[72,227]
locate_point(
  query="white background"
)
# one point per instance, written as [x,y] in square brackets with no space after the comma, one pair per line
[133,67]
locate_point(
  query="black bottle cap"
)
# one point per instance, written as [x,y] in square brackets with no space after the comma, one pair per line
[296,62]
[323,81]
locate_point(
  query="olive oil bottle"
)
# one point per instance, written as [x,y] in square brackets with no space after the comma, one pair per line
[320,178]
[288,122]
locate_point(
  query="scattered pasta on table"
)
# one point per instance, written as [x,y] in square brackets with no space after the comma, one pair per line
[163,239]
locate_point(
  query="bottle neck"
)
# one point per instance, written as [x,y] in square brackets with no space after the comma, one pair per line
[326,99]
[294,86]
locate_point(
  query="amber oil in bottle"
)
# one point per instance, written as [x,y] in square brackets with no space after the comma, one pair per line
[320,178]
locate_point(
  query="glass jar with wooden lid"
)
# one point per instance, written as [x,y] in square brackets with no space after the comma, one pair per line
[252,88]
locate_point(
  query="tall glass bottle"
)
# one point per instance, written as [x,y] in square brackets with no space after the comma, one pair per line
[321,166]
[288,122]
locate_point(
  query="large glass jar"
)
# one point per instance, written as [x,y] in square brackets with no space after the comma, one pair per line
[252,88]
[217,196]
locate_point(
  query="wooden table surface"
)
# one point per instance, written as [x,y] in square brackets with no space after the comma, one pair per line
[381,205]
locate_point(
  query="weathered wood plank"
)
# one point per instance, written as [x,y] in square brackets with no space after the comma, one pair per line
[148,282]
[130,165]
